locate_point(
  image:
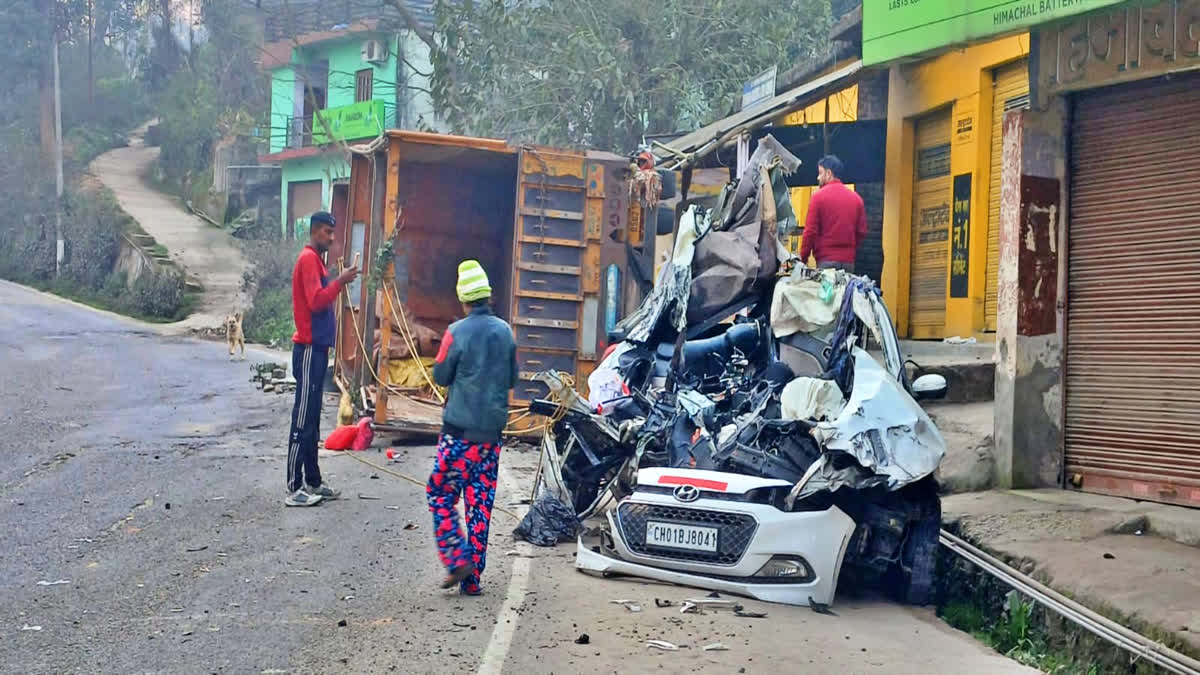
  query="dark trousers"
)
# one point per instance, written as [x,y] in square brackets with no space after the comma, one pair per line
[308,367]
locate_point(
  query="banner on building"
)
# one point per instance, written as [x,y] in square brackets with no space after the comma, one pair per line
[960,236]
[894,29]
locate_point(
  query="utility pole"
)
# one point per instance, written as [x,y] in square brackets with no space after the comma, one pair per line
[91,28]
[58,163]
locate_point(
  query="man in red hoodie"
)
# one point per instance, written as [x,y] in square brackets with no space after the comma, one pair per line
[313,295]
[836,222]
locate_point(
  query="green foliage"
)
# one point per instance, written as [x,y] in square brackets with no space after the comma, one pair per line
[603,74]
[93,228]
[269,320]
[1016,633]
[209,97]
[86,142]
[159,295]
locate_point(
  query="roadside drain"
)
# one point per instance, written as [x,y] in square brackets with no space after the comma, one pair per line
[1014,624]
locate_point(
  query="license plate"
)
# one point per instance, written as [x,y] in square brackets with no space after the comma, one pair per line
[689,537]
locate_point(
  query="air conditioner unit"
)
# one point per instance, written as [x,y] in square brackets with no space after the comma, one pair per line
[374,51]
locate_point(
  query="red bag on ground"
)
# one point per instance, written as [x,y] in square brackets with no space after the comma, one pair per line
[365,435]
[342,438]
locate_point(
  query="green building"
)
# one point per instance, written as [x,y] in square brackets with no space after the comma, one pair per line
[336,86]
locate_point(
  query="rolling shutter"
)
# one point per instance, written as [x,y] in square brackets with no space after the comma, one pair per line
[930,261]
[1133,310]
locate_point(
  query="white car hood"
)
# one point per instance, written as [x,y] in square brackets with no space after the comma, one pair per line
[883,427]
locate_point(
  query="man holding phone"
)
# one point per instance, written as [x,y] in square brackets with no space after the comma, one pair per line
[313,295]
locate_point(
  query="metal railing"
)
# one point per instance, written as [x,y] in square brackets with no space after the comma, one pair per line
[299,130]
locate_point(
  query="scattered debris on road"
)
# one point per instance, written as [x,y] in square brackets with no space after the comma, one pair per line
[583,639]
[60,582]
[272,378]
[662,644]
[33,628]
[715,647]
[627,604]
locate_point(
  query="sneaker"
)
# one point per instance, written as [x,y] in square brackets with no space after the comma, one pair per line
[302,498]
[325,492]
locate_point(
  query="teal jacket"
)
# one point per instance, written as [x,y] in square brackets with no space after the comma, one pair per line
[478,361]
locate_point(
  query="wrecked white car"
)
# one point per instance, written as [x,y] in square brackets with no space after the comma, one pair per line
[751,432]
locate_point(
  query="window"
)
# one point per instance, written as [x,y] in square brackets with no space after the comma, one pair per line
[363,85]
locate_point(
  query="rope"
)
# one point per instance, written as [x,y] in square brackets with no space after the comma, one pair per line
[401,320]
[414,481]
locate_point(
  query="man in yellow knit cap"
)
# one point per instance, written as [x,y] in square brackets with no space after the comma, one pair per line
[478,362]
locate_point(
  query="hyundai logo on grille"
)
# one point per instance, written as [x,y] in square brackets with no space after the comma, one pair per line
[687,493]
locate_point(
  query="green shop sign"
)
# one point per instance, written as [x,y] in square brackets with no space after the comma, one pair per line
[893,29]
[349,122]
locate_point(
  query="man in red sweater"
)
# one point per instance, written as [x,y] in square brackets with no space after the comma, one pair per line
[313,295]
[836,222]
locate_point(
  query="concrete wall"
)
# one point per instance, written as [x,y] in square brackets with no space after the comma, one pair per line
[872,105]
[132,262]
[959,79]
[1028,404]
[283,86]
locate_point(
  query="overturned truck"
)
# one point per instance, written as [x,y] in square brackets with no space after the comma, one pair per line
[753,428]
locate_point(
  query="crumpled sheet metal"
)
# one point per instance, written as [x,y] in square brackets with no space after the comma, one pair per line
[883,427]
[810,398]
[823,476]
[765,155]
[674,285]
[798,305]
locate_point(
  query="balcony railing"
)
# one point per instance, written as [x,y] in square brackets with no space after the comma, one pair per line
[346,123]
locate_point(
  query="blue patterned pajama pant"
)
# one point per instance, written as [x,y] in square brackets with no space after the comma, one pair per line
[466,469]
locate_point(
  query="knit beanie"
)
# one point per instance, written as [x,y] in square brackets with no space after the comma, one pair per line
[472,282]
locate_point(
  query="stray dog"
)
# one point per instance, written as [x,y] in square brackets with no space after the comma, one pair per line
[234,335]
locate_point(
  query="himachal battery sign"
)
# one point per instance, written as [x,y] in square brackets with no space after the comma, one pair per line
[893,29]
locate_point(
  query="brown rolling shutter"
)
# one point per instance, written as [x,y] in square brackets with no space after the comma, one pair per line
[930,266]
[1133,311]
[1010,91]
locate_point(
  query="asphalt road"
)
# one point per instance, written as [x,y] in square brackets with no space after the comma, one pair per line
[147,472]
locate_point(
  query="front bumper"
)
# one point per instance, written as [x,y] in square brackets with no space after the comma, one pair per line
[750,536]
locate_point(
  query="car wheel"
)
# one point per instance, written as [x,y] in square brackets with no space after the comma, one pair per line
[919,556]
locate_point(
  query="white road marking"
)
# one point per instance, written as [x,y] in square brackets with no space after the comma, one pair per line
[494,657]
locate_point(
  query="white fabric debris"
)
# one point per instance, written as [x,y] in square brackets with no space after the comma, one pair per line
[810,398]
[803,305]
[605,384]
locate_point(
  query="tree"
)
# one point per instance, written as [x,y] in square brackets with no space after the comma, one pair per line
[604,74]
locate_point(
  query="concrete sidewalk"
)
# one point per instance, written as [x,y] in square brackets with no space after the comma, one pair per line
[1137,562]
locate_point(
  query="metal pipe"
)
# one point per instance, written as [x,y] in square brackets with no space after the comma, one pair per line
[1133,642]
